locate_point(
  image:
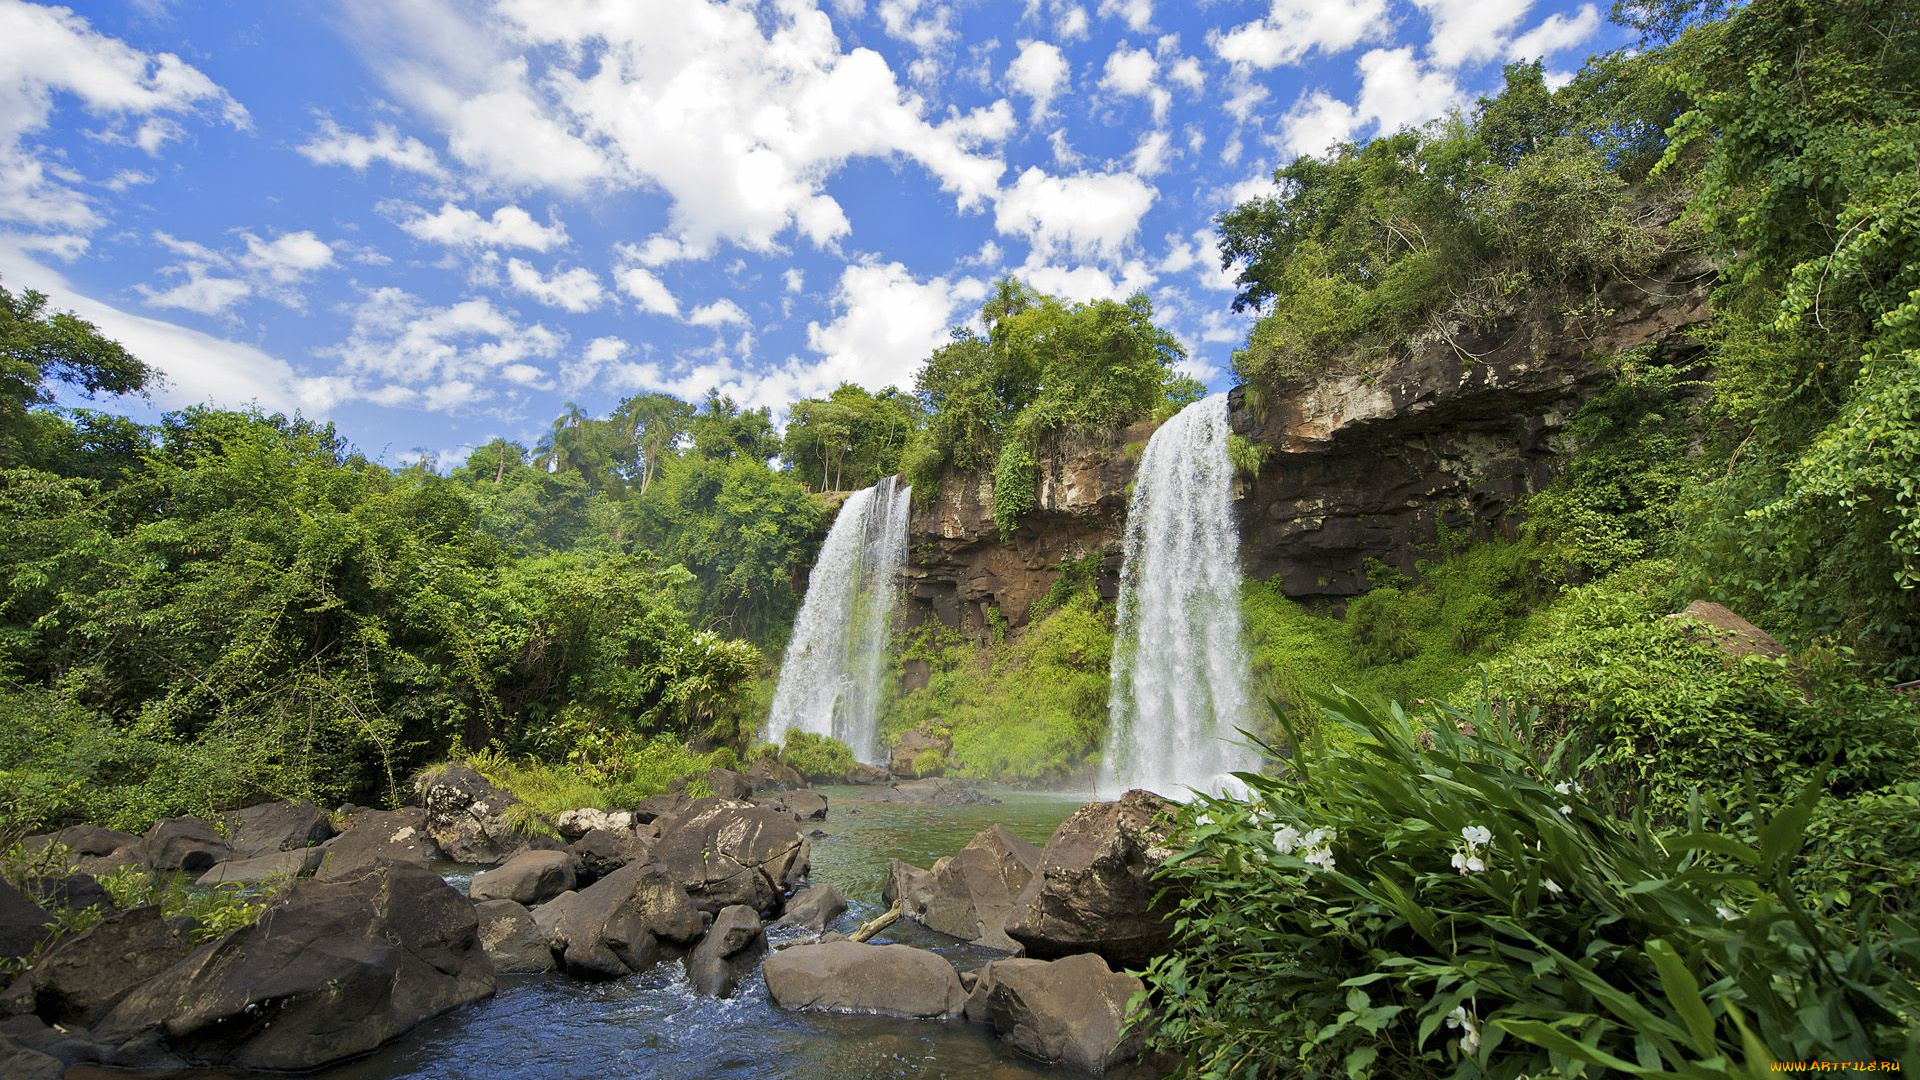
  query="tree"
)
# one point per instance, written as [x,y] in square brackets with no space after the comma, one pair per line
[41,351]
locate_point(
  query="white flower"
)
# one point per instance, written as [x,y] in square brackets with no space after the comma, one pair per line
[1461,1020]
[1317,837]
[1285,839]
[1320,857]
[1553,886]
[1725,912]
[1476,835]
[1567,810]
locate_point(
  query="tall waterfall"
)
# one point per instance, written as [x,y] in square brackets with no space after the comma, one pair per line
[1179,665]
[832,680]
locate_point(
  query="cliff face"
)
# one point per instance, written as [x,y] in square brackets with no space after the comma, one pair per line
[958,567]
[1455,433]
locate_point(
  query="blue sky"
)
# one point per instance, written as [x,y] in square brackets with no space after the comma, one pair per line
[435,222]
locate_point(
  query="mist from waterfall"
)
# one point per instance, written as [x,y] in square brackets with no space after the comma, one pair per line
[1180,669]
[834,675]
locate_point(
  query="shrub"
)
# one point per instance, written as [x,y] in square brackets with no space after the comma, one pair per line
[1449,904]
[817,757]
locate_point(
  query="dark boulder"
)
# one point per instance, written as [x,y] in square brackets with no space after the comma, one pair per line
[614,927]
[331,970]
[909,886]
[278,826]
[83,977]
[727,954]
[848,976]
[865,774]
[728,854]
[935,791]
[514,943]
[727,784]
[529,878]
[467,816]
[273,866]
[805,804]
[183,843]
[18,1062]
[654,808]
[1070,1011]
[86,841]
[23,923]
[972,891]
[814,907]
[768,774]
[70,892]
[376,837]
[1094,892]
[67,1045]
[602,851]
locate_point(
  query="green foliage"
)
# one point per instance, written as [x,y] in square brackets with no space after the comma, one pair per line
[1032,707]
[1449,904]
[1245,454]
[850,439]
[817,757]
[1414,233]
[1664,713]
[1045,368]
[1016,483]
[1619,500]
[606,772]
[41,352]
[1074,578]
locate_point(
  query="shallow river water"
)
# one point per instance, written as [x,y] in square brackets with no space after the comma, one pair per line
[652,1025]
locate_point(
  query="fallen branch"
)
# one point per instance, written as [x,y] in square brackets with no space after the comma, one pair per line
[868,929]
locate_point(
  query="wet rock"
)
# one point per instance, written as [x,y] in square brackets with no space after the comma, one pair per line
[863,773]
[602,851]
[512,940]
[814,907]
[909,886]
[531,877]
[727,954]
[376,837]
[614,927]
[468,816]
[729,854]
[83,977]
[848,976]
[1070,1011]
[183,843]
[69,1045]
[23,923]
[935,791]
[805,804]
[916,747]
[274,827]
[331,970]
[1093,891]
[19,1062]
[972,892]
[276,866]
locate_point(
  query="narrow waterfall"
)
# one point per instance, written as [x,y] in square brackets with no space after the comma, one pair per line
[833,677]
[1180,668]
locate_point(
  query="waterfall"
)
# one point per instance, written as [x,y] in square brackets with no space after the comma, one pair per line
[833,677]
[1179,672]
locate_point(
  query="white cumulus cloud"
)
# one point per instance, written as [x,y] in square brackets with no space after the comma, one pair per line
[334,145]
[508,227]
[1085,215]
[1293,29]
[1038,73]
[577,290]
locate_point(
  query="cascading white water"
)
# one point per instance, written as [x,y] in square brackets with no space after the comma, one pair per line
[1179,674]
[832,680]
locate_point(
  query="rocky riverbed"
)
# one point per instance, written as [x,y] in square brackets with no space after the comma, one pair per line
[685,937]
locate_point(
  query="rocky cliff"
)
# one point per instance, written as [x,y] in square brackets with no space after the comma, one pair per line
[1455,432]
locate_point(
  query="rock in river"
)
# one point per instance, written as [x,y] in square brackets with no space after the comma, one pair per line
[848,976]
[1093,892]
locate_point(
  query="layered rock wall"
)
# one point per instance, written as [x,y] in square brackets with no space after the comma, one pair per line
[1454,433]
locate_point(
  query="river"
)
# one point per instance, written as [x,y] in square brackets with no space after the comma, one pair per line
[653,1026]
